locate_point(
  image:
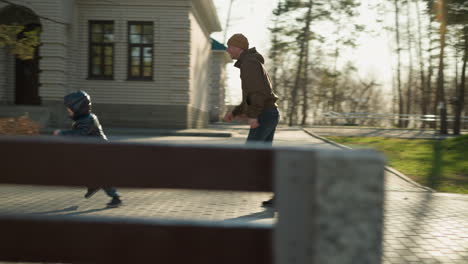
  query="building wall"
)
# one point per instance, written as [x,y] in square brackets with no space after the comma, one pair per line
[171,52]
[3,74]
[142,116]
[53,54]
[52,50]
[180,86]
[200,51]
[217,85]
[121,102]
[7,77]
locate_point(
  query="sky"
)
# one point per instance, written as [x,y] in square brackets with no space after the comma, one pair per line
[253,17]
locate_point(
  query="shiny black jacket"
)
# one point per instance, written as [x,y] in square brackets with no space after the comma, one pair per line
[85,123]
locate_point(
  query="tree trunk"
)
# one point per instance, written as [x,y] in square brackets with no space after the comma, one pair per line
[299,72]
[430,73]
[228,18]
[410,61]
[400,93]
[423,102]
[461,88]
[441,104]
[274,48]
[335,78]
[305,84]
[295,88]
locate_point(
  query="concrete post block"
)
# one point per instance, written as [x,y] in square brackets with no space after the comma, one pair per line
[330,205]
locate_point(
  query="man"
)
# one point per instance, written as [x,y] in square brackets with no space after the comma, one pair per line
[258,100]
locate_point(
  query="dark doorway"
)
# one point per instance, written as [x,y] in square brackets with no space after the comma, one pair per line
[27,76]
[26,71]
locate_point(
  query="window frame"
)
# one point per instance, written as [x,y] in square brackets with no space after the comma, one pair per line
[103,45]
[130,45]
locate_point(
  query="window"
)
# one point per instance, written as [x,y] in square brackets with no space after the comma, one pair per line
[101,50]
[140,50]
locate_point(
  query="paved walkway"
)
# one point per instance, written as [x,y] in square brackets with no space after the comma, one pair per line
[378,132]
[420,226]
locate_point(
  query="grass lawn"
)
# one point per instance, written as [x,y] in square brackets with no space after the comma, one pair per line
[439,164]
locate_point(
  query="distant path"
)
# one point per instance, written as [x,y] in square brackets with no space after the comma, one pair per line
[376,132]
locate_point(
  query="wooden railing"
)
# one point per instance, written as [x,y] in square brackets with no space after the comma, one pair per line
[313,188]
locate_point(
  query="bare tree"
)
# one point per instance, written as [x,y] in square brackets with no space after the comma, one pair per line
[430,71]
[228,18]
[398,50]
[300,66]
[306,84]
[409,85]
[460,91]
[441,9]
[423,84]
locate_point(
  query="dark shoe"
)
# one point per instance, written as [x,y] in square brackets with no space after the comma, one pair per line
[269,203]
[115,202]
[91,192]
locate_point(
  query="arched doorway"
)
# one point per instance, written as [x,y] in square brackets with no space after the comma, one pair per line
[26,71]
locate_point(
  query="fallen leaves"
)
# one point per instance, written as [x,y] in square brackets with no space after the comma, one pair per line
[18,126]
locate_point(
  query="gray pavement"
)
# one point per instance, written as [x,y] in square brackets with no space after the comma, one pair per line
[420,226]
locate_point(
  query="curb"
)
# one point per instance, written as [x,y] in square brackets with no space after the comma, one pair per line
[154,132]
[387,168]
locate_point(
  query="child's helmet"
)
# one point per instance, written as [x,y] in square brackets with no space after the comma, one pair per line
[79,102]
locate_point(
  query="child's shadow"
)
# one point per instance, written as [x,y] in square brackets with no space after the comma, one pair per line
[68,209]
[74,208]
[89,211]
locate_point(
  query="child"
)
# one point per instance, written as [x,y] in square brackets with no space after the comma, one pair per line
[86,124]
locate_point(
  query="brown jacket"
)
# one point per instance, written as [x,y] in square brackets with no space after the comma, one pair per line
[257,93]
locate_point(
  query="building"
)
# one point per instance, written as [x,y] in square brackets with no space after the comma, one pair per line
[146,63]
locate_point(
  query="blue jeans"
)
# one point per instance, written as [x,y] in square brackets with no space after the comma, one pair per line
[268,120]
[111,192]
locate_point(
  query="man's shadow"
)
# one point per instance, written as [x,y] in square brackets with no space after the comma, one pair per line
[73,208]
[265,214]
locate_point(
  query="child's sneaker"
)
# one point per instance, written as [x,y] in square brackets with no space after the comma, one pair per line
[269,204]
[115,202]
[91,192]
